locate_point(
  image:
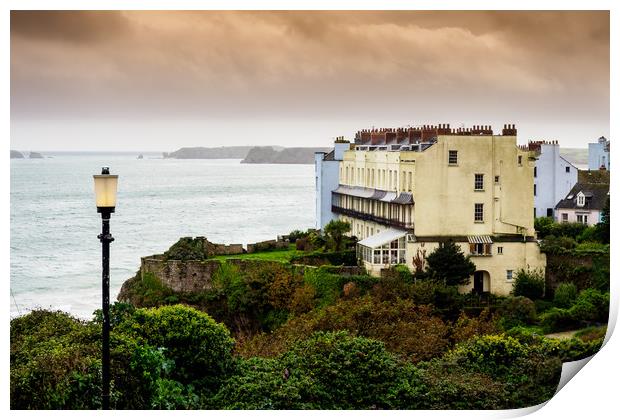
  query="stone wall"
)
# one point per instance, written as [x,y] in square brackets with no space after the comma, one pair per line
[267,245]
[181,276]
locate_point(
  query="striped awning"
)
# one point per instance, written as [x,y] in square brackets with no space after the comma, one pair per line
[482,239]
[404,198]
[388,197]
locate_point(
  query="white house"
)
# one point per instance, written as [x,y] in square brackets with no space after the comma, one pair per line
[583,204]
[598,154]
[554,176]
[327,171]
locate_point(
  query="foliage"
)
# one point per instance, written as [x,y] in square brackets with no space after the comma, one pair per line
[605,223]
[570,350]
[326,371]
[406,329]
[492,354]
[543,226]
[565,295]
[317,258]
[147,291]
[591,333]
[335,232]
[517,311]
[530,284]
[448,263]
[591,305]
[199,347]
[557,319]
[187,249]
[552,244]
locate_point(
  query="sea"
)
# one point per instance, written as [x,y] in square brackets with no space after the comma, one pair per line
[56,256]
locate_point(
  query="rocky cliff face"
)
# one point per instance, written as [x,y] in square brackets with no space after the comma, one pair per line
[234,152]
[294,155]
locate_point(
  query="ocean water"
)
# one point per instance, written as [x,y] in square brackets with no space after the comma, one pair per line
[55,253]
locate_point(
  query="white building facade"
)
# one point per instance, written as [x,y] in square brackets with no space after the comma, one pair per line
[326,171]
[598,154]
[554,176]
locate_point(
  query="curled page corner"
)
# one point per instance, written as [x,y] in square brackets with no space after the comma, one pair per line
[570,369]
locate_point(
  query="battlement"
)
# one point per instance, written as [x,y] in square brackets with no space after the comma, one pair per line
[423,134]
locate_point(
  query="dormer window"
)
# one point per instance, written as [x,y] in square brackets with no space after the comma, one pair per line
[581,199]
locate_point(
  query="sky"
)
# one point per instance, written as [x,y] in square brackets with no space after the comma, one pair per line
[161,80]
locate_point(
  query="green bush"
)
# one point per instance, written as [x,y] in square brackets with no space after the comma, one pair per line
[200,348]
[565,295]
[557,319]
[557,245]
[571,350]
[491,354]
[517,311]
[327,371]
[543,226]
[591,305]
[530,284]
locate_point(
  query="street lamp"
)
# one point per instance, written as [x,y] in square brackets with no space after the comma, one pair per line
[105,197]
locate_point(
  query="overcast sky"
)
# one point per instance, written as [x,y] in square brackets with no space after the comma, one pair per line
[157,81]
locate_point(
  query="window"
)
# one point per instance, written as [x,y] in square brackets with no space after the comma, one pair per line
[508,274]
[497,179]
[453,157]
[568,169]
[535,168]
[480,249]
[478,212]
[582,218]
[500,250]
[478,182]
[549,212]
[534,190]
[520,160]
[564,217]
[581,200]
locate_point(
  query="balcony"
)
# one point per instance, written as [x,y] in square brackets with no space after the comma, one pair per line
[372,218]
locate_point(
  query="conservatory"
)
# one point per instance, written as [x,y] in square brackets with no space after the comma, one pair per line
[385,248]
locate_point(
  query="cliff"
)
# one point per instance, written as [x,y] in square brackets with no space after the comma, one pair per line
[295,155]
[16,155]
[235,152]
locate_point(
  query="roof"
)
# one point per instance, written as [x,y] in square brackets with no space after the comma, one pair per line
[373,194]
[404,198]
[383,237]
[329,156]
[596,195]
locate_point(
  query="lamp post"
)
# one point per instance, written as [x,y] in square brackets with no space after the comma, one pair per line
[105,196]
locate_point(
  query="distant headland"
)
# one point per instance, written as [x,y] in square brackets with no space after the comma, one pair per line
[250,154]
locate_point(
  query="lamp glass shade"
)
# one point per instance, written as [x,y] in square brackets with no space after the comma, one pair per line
[105,190]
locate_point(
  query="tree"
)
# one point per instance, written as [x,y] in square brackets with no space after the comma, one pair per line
[603,226]
[335,231]
[448,263]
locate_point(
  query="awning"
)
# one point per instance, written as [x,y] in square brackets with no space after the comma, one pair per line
[483,239]
[404,198]
[388,197]
[354,191]
[378,195]
[383,237]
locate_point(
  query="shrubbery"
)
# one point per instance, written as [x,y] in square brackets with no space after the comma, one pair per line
[517,311]
[530,284]
[565,295]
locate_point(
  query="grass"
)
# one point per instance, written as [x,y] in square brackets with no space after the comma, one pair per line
[279,255]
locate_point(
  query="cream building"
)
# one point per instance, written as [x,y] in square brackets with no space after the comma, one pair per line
[406,190]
